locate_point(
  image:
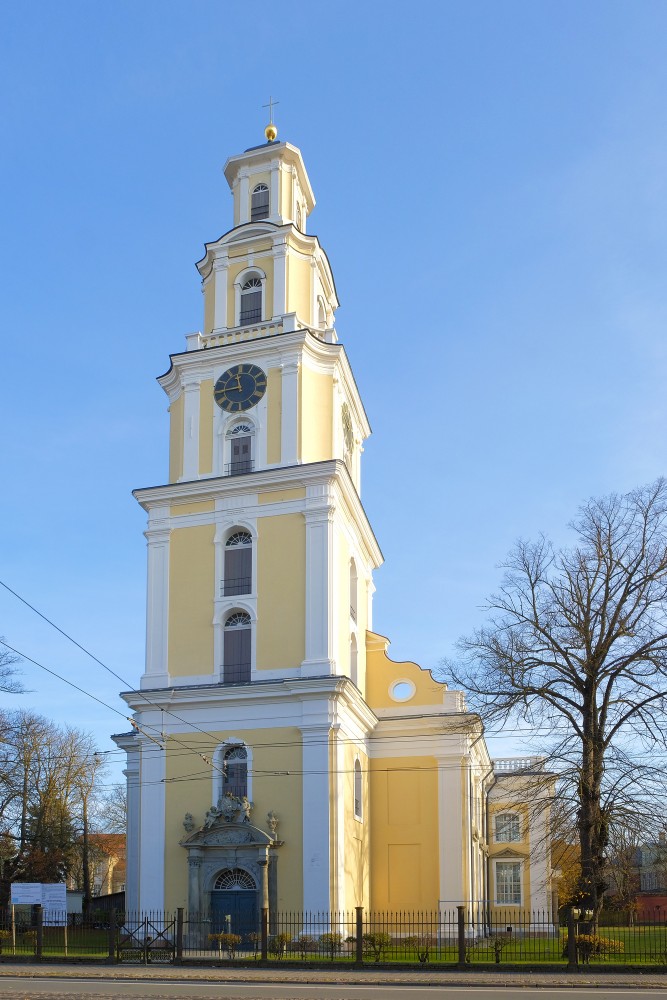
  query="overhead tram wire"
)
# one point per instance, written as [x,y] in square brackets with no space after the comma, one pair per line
[127,718]
[113,673]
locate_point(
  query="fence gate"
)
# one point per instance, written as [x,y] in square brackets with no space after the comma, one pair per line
[147,940]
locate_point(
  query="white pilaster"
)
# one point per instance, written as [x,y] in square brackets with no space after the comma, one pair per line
[451,823]
[279,281]
[221,278]
[127,742]
[244,197]
[289,426]
[152,829]
[157,599]
[191,429]
[319,516]
[316,815]
[274,192]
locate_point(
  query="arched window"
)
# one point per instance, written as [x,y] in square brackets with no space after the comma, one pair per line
[354,669]
[235,770]
[238,564]
[259,205]
[321,314]
[251,301]
[240,450]
[508,828]
[358,791]
[235,879]
[236,664]
[354,588]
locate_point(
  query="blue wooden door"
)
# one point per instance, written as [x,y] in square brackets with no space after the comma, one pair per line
[238,904]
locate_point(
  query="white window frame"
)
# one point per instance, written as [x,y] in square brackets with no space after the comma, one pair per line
[506,861]
[261,186]
[507,840]
[218,758]
[357,769]
[241,278]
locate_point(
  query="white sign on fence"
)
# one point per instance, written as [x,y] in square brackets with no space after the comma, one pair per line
[26,892]
[51,895]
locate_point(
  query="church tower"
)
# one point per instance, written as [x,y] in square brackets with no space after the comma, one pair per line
[278,757]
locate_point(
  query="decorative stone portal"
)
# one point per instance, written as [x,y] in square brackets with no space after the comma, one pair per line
[231,855]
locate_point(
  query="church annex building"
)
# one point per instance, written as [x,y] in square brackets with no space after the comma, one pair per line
[300,768]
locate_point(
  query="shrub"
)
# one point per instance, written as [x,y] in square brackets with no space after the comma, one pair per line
[376,945]
[499,943]
[226,942]
[4,936]
[30,938]
[278,945]
[331,943]
[303,945]
[591,945]
[421,944]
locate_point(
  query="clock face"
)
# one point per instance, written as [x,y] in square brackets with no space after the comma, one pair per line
[239,388]
[347,427]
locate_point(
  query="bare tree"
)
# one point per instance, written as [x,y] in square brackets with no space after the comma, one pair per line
[115,809]
[8,680]
[576,647]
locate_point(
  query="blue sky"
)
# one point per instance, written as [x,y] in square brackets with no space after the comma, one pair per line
[491,182]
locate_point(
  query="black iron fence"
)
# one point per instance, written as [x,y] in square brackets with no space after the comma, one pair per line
[457,936]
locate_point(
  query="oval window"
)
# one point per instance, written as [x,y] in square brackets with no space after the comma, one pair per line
[402,690]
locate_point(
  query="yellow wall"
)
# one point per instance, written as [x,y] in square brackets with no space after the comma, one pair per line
[298,287]
[404,819]
[316,416]
[281,609]
[209,304]
[272,750]
[357,833]
[197,507]
[518,850]
[206,426]
[191,589]
[381,672]
[274,409]
[277,496]
[343,558]
[176,439]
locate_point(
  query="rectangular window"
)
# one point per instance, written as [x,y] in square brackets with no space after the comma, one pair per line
[251,308]
[241,456]
[237,656]
[508,883]
[508,828]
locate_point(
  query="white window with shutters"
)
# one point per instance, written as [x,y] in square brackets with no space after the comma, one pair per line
[240,448]
[249,292]
[237,578]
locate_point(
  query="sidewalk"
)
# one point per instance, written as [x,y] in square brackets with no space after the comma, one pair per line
[170,973]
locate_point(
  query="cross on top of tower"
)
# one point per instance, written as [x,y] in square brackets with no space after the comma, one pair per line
[271,132]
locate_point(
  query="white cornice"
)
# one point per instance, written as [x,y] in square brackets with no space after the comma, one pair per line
[332,475]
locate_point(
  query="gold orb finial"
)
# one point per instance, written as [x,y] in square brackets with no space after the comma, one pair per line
[271,131]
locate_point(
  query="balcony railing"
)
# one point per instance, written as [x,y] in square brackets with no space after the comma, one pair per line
[250,316]
[236,673]
[240,467]
[232,588]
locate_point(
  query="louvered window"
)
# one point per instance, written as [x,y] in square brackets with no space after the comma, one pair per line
[238,565]
[251,302]
[236,666]
[259,207]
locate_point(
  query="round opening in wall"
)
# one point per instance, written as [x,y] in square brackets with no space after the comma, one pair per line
[402,690]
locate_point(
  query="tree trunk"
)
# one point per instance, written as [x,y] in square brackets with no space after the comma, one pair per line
[592,823]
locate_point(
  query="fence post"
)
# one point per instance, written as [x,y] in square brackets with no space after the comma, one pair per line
[265,933]
[179,935]
[572,962]
[39,913]
[111,958]
[359,936]
[461,927]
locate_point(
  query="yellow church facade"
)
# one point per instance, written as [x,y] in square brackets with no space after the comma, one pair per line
[278,756]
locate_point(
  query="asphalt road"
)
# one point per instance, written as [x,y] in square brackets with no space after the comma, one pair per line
[22,988]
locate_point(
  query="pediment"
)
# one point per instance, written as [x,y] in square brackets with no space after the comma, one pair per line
[509,853]
[224,834]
